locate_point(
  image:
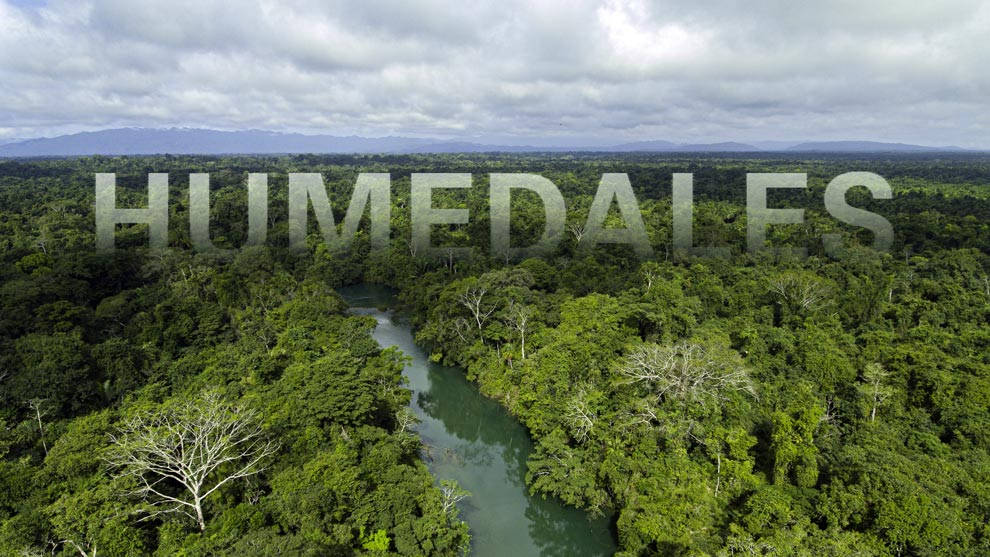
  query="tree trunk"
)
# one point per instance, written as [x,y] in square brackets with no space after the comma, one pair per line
[41,427]
[199,515]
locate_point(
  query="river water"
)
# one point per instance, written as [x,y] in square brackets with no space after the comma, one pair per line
[475,441]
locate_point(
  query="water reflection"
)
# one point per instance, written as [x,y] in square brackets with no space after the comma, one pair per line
[474,441]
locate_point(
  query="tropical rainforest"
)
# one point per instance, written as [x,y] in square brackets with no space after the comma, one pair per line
[176,402]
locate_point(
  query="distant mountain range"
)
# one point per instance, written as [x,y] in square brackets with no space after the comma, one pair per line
[146,141]
[867,147]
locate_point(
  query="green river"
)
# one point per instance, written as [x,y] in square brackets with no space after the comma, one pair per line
[474,440]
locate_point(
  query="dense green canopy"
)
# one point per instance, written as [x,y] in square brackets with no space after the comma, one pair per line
[755,405]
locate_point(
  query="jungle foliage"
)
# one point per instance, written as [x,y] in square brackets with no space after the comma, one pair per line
[756,405]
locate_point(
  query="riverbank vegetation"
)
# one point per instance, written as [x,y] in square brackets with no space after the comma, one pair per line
[758,404]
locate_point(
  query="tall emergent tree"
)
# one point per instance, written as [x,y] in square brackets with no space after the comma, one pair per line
[184,453]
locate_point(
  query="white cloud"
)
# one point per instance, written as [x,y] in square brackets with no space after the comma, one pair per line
[513,70]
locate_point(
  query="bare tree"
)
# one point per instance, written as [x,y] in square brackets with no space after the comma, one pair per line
[718,471]
[577,230]
[743,545]
[580,416]
[37,552]
[875,376]
[184,453]
[452,494]
[449,253]
[462,328]
[800,291]
[406,419]
[39,407]
[518,319]
[84,549]
[473,300]
[643,412]
[686,372]
[650,275]
[828,413]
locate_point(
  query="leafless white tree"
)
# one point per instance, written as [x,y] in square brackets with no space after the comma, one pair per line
[644,412]
[182,454]
[518,318]
[461,328]
[406,419]
[39,407]
[450,259]
[718,471]
[53,547]
[452,494]
[876,389]
[800,291]
[577,230]
[84,549]
[35,552]
[650,276]
[473,299]
[580,416]
[746,546]
[686,372]
[829,413]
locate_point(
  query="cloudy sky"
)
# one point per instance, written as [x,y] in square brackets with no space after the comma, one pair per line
[504,70]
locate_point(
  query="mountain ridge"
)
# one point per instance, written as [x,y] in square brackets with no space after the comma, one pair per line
[204,141]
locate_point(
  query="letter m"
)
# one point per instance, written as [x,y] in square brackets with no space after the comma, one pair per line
[304,187]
